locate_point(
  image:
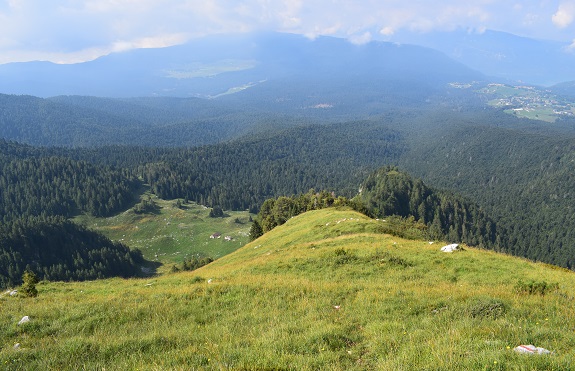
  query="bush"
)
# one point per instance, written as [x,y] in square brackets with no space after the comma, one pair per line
[29,280]
[217,212]
[342,256]
[195,263]
[487,308]
[535,287]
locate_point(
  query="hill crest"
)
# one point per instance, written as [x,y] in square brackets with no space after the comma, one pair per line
[323,291]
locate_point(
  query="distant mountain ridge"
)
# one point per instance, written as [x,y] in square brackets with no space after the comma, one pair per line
[565,88]
[221,64]
[502,55]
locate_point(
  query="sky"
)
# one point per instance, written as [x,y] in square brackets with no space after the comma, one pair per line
[72,31]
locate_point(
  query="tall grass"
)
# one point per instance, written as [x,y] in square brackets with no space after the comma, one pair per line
[312,294]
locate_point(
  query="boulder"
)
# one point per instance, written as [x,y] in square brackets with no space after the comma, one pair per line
[450,248]
[530,349]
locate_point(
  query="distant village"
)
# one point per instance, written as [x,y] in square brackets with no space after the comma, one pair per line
[523,99]
[529,98]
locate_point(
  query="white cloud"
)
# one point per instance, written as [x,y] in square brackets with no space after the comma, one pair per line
[387,31]
[150,42]
[564,15]
[364,38]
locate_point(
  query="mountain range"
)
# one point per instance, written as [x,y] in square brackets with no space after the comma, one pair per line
[503,56]
[222,64]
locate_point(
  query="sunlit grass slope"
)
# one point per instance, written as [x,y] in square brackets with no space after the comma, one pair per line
[323,291]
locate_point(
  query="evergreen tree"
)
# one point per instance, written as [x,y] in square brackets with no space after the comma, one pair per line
[29,280]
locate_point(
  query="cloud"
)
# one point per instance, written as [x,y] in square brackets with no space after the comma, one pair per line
[149,42]
[364,38]
[387,31]
[564,15]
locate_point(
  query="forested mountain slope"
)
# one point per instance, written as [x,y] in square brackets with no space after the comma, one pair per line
[448,216]
[242,174]
[88,121]
[36,182]
[522,178]
[37,190]
[58,250]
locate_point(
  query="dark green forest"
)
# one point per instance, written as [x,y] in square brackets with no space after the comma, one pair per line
[40,184]
[59,250]
[389,191]
[37,191]
[522,178]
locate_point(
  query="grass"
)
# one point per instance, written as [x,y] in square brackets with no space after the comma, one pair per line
[172,234]
[323,291]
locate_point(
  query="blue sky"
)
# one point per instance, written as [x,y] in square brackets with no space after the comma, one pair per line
[69,31]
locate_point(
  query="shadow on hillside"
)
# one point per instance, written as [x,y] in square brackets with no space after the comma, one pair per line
[149,268]
[136,197]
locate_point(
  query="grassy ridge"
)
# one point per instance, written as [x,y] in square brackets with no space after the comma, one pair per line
[323,291]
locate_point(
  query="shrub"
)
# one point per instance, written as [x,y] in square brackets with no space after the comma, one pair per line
[535,287]
[381,257]
[343,256]
[217,212]
[487,308]
[195,263]
[29,280]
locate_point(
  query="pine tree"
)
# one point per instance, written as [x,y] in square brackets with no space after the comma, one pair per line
[30,280]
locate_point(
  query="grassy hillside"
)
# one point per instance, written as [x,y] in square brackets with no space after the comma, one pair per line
[326,290]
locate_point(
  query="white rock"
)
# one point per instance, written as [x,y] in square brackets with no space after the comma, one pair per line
[530,349]
[17,346]
[13,292]
[450,248]
[24,320]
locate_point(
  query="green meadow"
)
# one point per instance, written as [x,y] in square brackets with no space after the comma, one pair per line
[169,234]
[328,290]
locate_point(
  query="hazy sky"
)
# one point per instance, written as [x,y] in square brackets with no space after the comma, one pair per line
[67,31]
